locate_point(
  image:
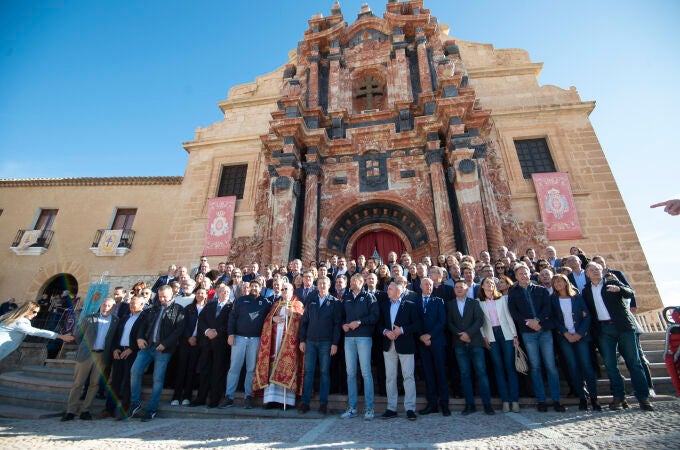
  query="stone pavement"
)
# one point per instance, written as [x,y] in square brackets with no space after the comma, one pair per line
[527,430]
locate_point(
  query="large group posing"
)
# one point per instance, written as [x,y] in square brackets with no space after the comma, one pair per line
[450,315]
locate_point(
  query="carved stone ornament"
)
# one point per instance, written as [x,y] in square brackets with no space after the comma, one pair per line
[467,166]
[282,183]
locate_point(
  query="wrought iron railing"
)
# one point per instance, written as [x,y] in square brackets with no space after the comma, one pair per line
[43,241]
[126,238]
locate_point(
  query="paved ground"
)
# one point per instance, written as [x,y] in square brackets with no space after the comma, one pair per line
[527,430]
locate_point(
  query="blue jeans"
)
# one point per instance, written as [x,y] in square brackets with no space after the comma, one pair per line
[503,359]
[160,364]
[539,346]
[468,356]
[577,358]
[627,344]
[321,351]
[359,347]
[244,349]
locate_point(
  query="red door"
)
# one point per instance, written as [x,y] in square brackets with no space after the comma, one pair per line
[382,241]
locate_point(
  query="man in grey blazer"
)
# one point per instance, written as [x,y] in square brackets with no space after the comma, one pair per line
[94,335]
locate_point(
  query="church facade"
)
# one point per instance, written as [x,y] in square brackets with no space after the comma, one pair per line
[388,134]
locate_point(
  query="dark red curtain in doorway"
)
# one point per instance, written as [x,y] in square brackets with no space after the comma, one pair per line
[384,241]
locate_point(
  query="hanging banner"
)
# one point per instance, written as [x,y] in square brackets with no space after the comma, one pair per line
[219,226]
[556,202]
[28,238]
[94,298]
[108,243]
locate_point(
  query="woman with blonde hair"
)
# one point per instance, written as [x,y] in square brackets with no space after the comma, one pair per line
[16,325]
[500,337]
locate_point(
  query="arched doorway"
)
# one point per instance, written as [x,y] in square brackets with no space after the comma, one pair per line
[58,284]
[381,242]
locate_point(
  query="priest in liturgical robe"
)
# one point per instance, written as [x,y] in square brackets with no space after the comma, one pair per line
[279,360]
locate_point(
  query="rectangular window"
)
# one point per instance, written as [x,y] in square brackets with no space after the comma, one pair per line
[232,181]
[46,219]
[534,157]
[124,219]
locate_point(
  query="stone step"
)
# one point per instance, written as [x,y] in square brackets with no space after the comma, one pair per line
[50,401]
[56,373]
[60,363]
[22,412]
[653,344]
[33,383]
[656,335]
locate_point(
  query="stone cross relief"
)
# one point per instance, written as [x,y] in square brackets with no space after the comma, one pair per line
[369,89]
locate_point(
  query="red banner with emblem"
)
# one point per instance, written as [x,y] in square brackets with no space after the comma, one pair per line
[219,227]
[556,202]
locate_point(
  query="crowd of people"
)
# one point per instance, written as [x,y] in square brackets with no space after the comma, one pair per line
[453,322]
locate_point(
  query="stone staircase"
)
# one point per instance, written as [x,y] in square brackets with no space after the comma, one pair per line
[36,391]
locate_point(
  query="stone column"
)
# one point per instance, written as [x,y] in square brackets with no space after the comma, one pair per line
[494,232]
[310,235]
[284,202]
[440,200]
[423,64]
[313,86]
[402,75]
[334,76]
[469,198]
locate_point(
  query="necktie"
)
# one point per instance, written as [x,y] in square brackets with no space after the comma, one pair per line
[425,300]
[305,291]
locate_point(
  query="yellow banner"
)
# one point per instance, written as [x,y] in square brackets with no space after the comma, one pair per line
[109,242]
[29,238]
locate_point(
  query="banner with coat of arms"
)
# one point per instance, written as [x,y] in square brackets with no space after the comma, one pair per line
[108,243]
[556,202]
[28,238]
[96,294]
[219,227]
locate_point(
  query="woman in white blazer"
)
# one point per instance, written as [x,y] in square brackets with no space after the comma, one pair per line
[16,325]
[500,337]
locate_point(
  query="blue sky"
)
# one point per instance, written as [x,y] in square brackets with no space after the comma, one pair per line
[112,88]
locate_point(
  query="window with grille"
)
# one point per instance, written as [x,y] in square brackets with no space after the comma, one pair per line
[232,181]
[46,219]
[124,218]
[534,157]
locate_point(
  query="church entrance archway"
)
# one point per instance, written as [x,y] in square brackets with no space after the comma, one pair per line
[58,284]
[378,244]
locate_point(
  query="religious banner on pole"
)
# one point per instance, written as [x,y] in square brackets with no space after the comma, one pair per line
[219,226]
[556,202]
[29,238]
[108,243]
[96,294]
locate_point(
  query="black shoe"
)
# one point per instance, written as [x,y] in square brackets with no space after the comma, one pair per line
[149,416]
[389,414]
[196,403]
[323,409]
[269,405]
[303,408]
[469,409]
[446,412]
[645,405]
[85,415]
[616,404]
[596,405]
[427,410]
[583,405]
[624,404]
[541,407]
[411,415]
[558,407]
[134,409]
[488,410]
[67,417]
[248,402]
[226,403]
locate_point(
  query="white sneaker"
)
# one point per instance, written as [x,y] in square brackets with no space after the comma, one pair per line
[506,407]
[369,414]
[652,393]
[515,407]
[349,414]
[186,402]
[174,403]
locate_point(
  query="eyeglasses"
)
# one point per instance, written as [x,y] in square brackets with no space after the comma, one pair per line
[35,312]
[237,275]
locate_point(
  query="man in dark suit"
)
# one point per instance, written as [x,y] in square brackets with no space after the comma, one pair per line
[615,328]
[302,293]
[432,349]
[401,323]
[212,339]
[95,334]
[165,279]
[441,290]
[465,319]
[157,339]
[320,332]
[124,355]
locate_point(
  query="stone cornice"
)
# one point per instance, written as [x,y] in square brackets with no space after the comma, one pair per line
[532,110]
[247,102]
[506,71]
[90,181]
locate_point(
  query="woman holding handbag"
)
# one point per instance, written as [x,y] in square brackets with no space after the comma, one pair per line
[572,324]
[500,337]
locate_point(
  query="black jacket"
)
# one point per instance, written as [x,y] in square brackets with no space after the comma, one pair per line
[615,303]
[409,319]
[208,319]
[520,309]
[321,323]
[170,328]
[363,308]
[470,323]
[247,316]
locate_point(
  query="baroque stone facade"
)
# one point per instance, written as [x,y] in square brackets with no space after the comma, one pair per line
[382,124]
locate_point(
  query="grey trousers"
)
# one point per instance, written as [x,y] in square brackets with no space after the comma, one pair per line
[392,358]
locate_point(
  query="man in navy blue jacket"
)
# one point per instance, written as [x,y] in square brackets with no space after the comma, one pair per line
[319,338]
[432,349]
